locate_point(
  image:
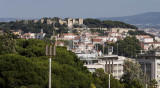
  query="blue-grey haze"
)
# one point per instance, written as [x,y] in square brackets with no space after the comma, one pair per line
[76,8]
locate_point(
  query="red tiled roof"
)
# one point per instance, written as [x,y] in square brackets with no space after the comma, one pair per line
[110,41]
[59,42]
[153,43]
[147,37]
[11,30]
[90,44]
[97,40]
[69,34]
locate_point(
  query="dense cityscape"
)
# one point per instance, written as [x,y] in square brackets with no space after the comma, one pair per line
[79,44]
[90,53]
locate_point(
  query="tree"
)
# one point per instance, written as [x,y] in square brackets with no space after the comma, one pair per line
[17,71]
[92,23]
[8,43]
[128,47]
[29,67]
[139,32]
[76,25]
[100,78]
[133,74]
[153,83]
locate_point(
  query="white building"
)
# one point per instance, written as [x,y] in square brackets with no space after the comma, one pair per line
[112,38]
[150,65]
[29,36]
[157,39]
[113,63]
[41,35]
[89,46]
[69,36]
[97,41]
[147,39]
[144,38]
[104,38]
[151,45]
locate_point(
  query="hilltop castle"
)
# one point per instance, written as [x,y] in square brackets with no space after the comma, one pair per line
[70,22]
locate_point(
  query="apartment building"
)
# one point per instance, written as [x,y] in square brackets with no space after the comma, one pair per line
[110,63]
[150,64]
[144,38]
[113,64]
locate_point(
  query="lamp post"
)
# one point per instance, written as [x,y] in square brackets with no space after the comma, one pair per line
[110,68]
[50,50]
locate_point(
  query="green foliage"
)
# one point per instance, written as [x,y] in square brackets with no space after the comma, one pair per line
[153,83]
[100,78]
[95,23]
[133,75]
[128,47]
[28,68]
[7,44]
[76,25]
[101,32]
[30,48]
[16,71]
[116,24]
[28,26]
[138,32]
[62,30]
[92,23]
[25,66]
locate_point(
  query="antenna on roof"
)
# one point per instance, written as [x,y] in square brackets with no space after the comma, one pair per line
[41,30]
[110,50]
[53,30]
[117,47]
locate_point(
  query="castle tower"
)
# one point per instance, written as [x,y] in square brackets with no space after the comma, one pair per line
[80,20]
[41,30]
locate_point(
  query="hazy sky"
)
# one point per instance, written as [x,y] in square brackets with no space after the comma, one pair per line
[76,8]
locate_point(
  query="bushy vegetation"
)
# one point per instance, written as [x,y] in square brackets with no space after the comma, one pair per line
[26,66]
[139,32]
[23,65]
[95,23]
[34,27]
[127,47]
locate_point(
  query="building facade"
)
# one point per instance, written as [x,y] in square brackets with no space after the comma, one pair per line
[70,22]
[110,63]
[150,65]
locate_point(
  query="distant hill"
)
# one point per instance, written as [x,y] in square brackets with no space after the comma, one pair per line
[145,18]
[14,19]
[7,19]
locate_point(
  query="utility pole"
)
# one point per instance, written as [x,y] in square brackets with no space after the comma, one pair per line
[103,48]
[117,47]
[50,51]
[110,70]
[109,75]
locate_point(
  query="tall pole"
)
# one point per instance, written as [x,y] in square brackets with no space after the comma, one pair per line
[146,85]
[109,81]
[103,48]
[109,75]
[117,47]
[49,72]
[50,50]
[97,47]
[146,78]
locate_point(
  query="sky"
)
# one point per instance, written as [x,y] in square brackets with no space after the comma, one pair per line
[76,8]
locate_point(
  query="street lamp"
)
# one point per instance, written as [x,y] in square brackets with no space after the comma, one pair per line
[50,50]
[109,70]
